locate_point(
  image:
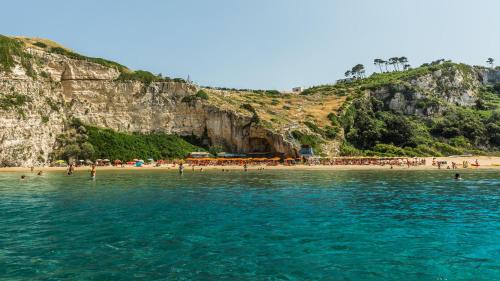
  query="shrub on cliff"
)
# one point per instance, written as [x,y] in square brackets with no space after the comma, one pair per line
[202,95]
[76,56]
[10,48]
[145,77]
[13,101]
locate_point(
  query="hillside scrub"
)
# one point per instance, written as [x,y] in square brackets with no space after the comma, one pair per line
[9,50]
[101,61]
[375,131]
[89,142]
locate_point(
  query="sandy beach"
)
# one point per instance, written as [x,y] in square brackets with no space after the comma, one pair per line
[486,162]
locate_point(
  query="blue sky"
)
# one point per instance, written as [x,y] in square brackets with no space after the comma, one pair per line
[264,44]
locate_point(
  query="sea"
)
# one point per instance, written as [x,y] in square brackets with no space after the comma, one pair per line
[255,225]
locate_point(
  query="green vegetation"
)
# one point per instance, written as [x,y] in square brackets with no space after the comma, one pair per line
[388,79]
[371,130]
[305,139]
[13,101]
[200,95]
[248,107]
[73,55]
[145,77]
[11,48]
[88,142]
[40,44]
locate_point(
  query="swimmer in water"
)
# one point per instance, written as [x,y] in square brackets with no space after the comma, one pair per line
[457,177]
[93,172]
[23,177]
[39,173]
[245,167]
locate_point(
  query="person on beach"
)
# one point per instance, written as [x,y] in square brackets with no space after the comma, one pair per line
[93,172]
[245,167]
[181,168]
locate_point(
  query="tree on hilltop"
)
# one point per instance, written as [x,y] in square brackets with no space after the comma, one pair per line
[490,61]
[357,71]
[403,61]
[395,63]
[378,62]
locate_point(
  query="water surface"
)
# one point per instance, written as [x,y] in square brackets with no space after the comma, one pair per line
[260,225]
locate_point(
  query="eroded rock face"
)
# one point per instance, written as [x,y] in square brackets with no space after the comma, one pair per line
[90,92]
[422,95]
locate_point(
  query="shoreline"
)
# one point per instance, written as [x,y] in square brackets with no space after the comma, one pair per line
[486,163]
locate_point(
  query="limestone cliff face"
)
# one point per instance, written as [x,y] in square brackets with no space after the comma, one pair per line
[427,95]
[65,88]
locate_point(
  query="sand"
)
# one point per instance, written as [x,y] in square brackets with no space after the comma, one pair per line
[486,162]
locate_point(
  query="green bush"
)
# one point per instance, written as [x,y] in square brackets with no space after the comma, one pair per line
[13,101]
[311,140]
[145,77]
[248,107]
[124,146]
[202,95]
[40,44]
[348,150]
[447,149]
[8,49]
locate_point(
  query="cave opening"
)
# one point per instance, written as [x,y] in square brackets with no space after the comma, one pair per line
[260,145]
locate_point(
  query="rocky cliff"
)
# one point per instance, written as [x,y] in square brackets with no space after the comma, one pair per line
[43,86]
[38,102]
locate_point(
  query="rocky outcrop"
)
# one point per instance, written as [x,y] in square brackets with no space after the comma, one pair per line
[426,95]
[67,88]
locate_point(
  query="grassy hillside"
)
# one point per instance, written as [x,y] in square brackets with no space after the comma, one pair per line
[370,128]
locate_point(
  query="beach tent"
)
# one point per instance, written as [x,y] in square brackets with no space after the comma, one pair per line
[139,163]
[60,163]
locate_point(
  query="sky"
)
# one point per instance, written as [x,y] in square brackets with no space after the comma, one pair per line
[261,44]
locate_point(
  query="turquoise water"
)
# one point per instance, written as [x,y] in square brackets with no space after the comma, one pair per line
[260,225]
